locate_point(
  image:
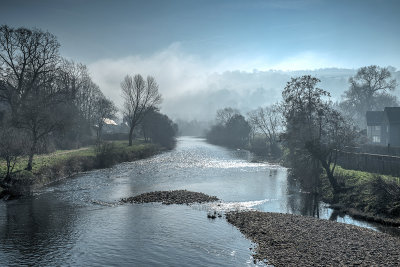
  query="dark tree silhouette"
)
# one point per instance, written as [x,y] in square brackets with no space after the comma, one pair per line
[105,109]
[159,128]
[234,132]
[315,132]
[139,95]
[29,61]
[369,90]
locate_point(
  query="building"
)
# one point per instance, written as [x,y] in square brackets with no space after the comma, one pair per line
[383,127]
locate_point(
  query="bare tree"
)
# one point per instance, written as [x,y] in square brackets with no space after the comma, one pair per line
[29,67]
[25,56]
[225,114]
[268,121]
[139,95]
[369,90]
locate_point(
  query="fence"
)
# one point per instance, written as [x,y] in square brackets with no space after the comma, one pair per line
[376,163]
[377,149]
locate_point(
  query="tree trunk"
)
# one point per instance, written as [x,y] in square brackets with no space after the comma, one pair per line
[332,179]
[31,154]
[99,129]
[130,136]
[7,179]
[144,135]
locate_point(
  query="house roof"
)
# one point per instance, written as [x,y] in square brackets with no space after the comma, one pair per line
[393,114]
[109,121]
[375,117]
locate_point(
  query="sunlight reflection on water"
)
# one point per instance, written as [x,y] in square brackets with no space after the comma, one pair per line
[80,221]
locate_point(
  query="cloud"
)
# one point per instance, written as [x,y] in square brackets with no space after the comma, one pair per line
[194,87]
[175,72]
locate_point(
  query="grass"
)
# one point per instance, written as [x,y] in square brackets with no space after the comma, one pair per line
[50,167]
[369,193]
[60,156]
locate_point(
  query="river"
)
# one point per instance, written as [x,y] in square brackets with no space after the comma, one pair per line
[79,221]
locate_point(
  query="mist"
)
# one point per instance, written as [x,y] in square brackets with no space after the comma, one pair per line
[200,133]
[194,88]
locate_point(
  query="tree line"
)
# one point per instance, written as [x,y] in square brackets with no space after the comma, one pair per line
[48,102]
[307,129]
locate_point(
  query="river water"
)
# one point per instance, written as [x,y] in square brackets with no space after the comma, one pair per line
[79,222]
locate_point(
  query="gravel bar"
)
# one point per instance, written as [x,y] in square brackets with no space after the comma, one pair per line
[293,240]
[171,197]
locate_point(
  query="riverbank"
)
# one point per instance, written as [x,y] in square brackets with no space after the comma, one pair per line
[292,240]
[52,167]
[367,196]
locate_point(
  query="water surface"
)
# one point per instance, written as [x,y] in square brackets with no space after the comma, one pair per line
[78,221]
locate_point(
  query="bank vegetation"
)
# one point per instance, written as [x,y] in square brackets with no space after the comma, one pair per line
[307,132]
[49,103]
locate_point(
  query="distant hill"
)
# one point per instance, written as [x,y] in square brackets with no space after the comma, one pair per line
[248,90]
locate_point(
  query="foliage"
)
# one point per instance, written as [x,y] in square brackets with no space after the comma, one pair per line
[105,109]
[41,162]
[159,128]
[225,115]
[233,133]
[105,154]
[367,192]
[315,132]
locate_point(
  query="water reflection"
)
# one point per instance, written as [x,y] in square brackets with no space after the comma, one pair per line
[32,230]
[79,221]
[301,202]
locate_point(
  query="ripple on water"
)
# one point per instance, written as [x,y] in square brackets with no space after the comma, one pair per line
[79,221]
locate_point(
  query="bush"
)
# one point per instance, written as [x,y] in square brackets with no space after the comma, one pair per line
[258,146]
[105,154]
[385,196]
[366,192]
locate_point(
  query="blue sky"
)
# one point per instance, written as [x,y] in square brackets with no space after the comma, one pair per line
[338,33]
[210,54]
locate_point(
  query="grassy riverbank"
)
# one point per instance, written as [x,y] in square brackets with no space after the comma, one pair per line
[368,196]
[60,164]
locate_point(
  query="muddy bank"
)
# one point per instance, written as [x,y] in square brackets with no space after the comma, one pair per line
[291,240]
[171,197]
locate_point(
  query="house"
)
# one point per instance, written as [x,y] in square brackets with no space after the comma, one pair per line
[383,127]
[110,126]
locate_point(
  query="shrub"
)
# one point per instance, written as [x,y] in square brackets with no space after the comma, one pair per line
[105,154]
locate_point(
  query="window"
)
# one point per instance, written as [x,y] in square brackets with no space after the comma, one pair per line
[377,128]
[376,139]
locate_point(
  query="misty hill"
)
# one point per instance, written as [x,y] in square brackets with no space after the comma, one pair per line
[248,90]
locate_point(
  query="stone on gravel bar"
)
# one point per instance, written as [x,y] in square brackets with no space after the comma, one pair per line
[294,240]
[171,197]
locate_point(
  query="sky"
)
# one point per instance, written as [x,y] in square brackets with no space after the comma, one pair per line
[196,49]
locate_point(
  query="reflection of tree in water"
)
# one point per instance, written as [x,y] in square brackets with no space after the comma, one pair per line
[300,201]
[38,229]
[307,204]
[394,231]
